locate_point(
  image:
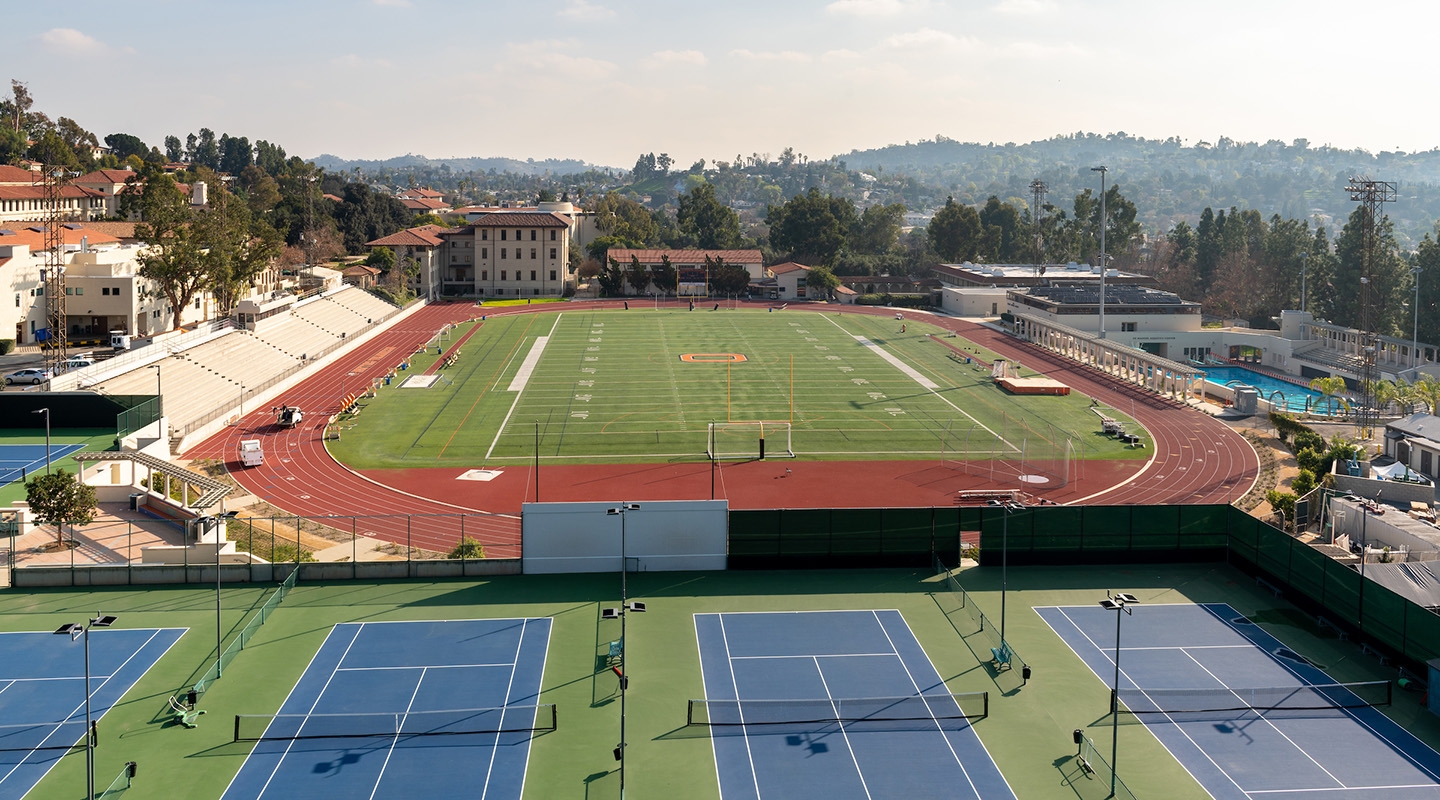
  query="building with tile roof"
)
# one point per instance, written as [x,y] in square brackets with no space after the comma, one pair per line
[422,246]
[22,199]
[509,254]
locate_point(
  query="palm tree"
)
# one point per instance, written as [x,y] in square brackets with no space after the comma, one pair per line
[1385,394]
[1427,391]
[1333,388]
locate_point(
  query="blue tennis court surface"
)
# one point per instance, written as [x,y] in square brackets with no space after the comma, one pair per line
[1329,754]
[828,656]
[19,461]
[403,670]
[42,693]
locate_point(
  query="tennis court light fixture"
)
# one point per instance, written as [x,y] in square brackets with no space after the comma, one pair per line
[78,630]
[1008,506]
[1117,602]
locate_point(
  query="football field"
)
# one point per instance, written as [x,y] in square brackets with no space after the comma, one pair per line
[602,386]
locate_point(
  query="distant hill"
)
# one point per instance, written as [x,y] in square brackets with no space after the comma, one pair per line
[553,166]
[1169,180]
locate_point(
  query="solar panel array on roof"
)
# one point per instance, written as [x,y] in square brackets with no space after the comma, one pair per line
[6,232]
[74,226]
[1121,294]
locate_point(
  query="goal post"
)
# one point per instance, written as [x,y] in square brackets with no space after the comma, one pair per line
[747,441]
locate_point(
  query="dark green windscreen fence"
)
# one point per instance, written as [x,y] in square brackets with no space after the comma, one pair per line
[871,537]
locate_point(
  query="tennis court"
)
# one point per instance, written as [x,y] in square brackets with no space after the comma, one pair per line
[19,461]
[42,693]
[835,704]
[405,709]
[1245,715]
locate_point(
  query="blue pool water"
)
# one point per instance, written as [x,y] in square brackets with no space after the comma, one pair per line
[1295,396]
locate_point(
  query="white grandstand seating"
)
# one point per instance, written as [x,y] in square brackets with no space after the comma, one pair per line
[295,335]
[364,304]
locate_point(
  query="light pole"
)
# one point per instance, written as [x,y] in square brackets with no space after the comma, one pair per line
[46,412]
[1415,332]
[1103,259]
[223,519]
[1006,506]
[1117,602]
[159,398]
[611,613]
[77,630]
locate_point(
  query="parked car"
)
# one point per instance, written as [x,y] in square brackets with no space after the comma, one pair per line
[35,377]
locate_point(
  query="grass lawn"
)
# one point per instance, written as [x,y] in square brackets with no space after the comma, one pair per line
[644,385]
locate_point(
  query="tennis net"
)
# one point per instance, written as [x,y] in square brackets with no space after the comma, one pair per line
[1316,697]
[710,713]
[283,727]
[43,735]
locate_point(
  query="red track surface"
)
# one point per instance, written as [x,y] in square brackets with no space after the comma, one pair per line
[1196,459]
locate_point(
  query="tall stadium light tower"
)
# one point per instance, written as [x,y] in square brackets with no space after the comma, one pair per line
[1372,196]
[1103,258]
[52,181]
[1038,189]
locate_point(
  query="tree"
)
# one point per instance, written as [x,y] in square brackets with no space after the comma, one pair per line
[954,232]
[811,227]
[637,276]
[625,220]
[1005,240]
[19,107]
[12,145]
[707,222]
[1427,391]
[382,258]
[124,145]
[235,246]
[173,149]
[262,192]
[207,150]
[172,254]
[1332,387]
[726,279]
[612,279]
[820,282]
[1387,276]
[59,498]
[665,276]
[878,229]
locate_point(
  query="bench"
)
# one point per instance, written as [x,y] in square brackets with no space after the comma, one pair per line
[1002,655]
[1275,590]
[1325,623]
[183,714]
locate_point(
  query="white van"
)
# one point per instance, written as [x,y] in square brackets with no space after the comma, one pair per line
[77,361]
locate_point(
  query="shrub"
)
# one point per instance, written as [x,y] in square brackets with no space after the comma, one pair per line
[1307,458]
[1304,483]
[1308,438]
[468,548]
[1284,502]
[6,346]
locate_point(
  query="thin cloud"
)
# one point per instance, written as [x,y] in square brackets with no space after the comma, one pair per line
[875,8]
[788,56]
[585,10]
[72,42]
[392,3]
[693,58]
[925,37]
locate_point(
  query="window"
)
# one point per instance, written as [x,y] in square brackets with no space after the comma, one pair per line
[502,274]
[532,274]
[552,235]
[552,252]
[532,235]
[502,235]
[484,274]
[499,291]
[484,252]
[1128,326]
[485,235]
[552,274]
[537,292]
[454,258]
[517,234]
[17,301]
[532,254]
[502,253]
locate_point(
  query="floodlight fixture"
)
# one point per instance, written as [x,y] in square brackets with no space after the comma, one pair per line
[609,613]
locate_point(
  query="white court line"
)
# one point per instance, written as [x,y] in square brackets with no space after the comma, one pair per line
[816,655]
[509,687]
[504,422]
[846,736]
[1196,647]
[93,691]
[938,727]
[1262,716]
[1346,789]
[395,739]
[1106,656]
[739,708]
[425,666]
[285,754]
[539,690]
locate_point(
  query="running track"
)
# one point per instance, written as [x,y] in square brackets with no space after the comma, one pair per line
[1196,459]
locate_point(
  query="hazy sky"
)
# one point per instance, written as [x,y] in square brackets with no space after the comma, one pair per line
[604,80]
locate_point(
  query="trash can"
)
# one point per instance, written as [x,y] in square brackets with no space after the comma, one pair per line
[135,501]
[387,380]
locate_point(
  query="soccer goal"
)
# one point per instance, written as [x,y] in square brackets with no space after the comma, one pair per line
[745,441]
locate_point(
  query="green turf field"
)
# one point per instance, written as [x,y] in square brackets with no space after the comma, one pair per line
[645,385]
[1028,732]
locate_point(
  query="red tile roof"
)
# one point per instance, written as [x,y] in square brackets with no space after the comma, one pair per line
[423,204]
[106,176]
[692,256]
[789,266]
[13,192]
[9,174]
[360,269]
[423,236]
[521,219]
[335,198]
[28,235]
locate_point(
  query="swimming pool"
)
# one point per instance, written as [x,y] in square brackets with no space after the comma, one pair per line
[1295,396]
